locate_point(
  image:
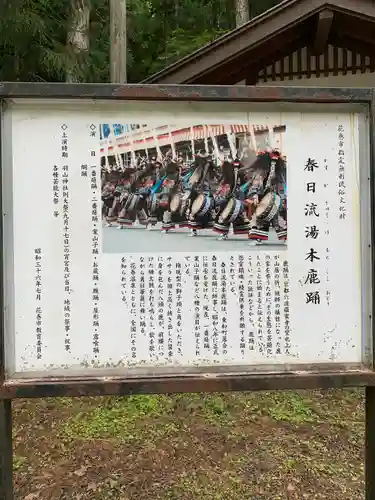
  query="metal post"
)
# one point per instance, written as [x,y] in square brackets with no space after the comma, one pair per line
[370,443]
[370,391]
[6,451]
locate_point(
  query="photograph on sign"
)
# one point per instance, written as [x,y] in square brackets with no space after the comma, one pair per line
[171,238]
[219,182]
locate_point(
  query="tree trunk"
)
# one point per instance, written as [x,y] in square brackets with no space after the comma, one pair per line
[177,12]
[78,39]
[118,45]
[242,12]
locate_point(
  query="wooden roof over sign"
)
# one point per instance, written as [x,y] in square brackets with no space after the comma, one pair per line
[277,33]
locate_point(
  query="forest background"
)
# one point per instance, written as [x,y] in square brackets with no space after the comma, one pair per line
[69,40]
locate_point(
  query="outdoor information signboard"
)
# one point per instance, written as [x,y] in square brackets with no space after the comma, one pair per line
[169,239]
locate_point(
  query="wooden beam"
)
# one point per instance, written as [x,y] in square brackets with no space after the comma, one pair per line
[325,20]
[286,50]
[361,34]
[237,69]
[353,44]
[354,27]
[253,63]
[252,76]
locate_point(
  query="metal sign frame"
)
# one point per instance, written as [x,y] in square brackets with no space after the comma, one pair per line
[204,381]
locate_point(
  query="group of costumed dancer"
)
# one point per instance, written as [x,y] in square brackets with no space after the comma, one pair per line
[250,196]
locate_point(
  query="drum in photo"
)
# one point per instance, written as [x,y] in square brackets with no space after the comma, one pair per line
[123,199]
[127,214]
[176,202]
[179,202]
[153,204]
[268,207]
[232,210]
[202,205]
[196,176]
[132,202]
[185,200]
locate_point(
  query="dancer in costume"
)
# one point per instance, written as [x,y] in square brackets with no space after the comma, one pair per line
[126,184]
[108,197]
[203,182]
[170,194]
[112,195]
[151,191]
[183,194]
[267,194]
[229,201]
[135,210]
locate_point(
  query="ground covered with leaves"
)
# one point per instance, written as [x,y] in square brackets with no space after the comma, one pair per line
[284,445]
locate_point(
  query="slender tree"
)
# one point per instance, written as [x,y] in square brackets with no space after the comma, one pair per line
[78,40]
[242,12]
[118,41]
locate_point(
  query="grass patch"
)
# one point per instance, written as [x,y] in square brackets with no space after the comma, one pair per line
[293,408]
[125,417]
[121,418]
[18,462]
[215,409]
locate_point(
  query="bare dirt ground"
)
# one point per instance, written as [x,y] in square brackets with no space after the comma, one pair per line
[262,446]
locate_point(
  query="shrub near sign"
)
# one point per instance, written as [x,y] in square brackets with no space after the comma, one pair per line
[184,245]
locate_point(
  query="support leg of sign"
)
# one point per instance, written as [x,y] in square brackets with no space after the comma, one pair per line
[370,443]
[6,451]
[370,391]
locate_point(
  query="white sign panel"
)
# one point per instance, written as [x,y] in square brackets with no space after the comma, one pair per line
[154,238]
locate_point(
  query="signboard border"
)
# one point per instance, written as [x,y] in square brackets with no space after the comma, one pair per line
[304,378]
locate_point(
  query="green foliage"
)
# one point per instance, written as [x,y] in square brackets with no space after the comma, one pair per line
[34,33]
[119,418]
[18,462]
[32,45]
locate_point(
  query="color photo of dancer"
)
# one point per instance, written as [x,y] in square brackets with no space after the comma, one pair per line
[268,195]
[230,201]
[212,182]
